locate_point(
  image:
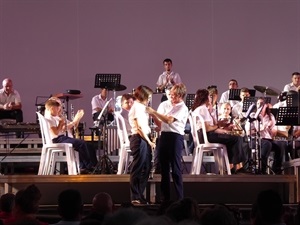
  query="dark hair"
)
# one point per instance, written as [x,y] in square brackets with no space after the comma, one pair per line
[167,60]
[234,80]
[295,73]
[126,97]
[142,93]
[28,199]
[70,204]
[201,97]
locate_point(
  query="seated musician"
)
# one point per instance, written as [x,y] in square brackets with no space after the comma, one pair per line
[10,102]
[264,127]
[229,123]
[237,109]
[216,134]
[98,102]
[58,128]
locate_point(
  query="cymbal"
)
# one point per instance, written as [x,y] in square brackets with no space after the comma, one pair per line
[266,90]
[117,88]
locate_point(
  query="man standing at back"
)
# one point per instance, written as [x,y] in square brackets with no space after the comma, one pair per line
[168,78]
[10,102]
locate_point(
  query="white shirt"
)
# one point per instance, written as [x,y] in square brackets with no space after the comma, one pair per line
[138,112]
[179,112]
[225,98]
[163,78]
[53,122]
[97,101]
[237,110]
[290,87]
[265,126]
[203,111]
[13,97]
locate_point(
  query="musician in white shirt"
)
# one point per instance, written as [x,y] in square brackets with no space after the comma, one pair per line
[295,85]
[171,120]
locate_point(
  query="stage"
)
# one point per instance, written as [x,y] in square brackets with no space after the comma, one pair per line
[206,189]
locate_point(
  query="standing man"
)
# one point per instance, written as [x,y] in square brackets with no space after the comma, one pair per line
[98,102]
[295,85]
[168,78]
[171,122]
[233,84]
[10,102]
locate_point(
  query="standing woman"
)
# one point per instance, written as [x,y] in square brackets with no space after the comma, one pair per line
[140,144]
[171,120]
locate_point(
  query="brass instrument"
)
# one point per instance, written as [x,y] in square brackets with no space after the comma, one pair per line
[75,130]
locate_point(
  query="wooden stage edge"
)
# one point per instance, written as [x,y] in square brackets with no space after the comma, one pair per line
[230,188]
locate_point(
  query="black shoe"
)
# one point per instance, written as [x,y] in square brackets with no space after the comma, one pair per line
[84,171]
[243,171]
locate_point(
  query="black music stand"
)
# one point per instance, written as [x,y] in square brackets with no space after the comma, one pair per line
[189,101]
[288,116]
[252,100]
[234,94]
[107,81]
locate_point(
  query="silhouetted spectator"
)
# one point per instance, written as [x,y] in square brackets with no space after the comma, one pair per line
[6,205]
[217,215]
[26,207]
[185,209]
[70,207]
[125,216]
[267,209]
[102,205]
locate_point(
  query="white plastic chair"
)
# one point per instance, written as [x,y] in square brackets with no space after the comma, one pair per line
[124,152]
[219,150]
[55,152]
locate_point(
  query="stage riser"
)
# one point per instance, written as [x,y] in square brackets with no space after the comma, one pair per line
[203,192]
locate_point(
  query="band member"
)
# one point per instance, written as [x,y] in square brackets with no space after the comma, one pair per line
[295,84]
[216,134]
[237,109]
[140,144]
[126,104]
[233,84]
[58,128]
[98,102]
[171,123]
[168,78]
[264,126]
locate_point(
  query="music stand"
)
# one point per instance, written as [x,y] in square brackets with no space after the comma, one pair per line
[252,100]
[189,101]
[104,164]
[107,81]
[234,94]
[288,116]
